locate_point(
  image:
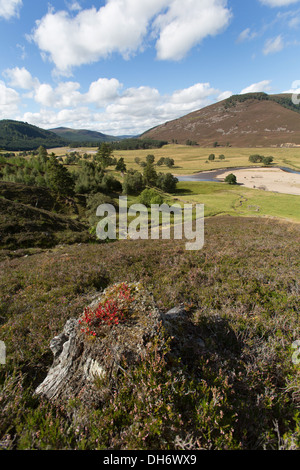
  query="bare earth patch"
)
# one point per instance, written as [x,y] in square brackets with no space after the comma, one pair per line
[269,179]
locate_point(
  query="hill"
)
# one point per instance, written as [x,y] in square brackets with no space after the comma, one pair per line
[81,135]
[85,135]
[16,135]
[250,120]
[34,217]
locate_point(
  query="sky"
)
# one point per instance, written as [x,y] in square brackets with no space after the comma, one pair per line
[122,67]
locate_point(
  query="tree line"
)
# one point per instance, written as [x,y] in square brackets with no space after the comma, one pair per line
[92,176]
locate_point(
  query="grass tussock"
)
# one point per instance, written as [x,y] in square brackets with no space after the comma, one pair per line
[242,392]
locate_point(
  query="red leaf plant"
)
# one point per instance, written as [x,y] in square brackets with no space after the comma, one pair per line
[111,312]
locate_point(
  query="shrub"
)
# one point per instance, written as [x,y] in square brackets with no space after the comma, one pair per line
[111,312]
[133,182]
[150,196]
[230,179]
[167,182]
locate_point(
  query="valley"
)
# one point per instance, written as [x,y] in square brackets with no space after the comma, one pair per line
[236,385]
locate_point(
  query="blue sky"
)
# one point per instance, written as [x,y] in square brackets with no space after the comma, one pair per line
[124,66]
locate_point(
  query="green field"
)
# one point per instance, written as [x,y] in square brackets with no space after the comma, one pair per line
[225,199]
[189,160]
[220,198]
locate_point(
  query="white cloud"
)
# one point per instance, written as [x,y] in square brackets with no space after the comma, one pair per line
[124,26]
[74,6]
[20,78]
[224,95]
[181,28]
[246,35]
[105,106]
[273,45]
[9,8]
[278,3]
[9,100]
[102,91]
[263,86]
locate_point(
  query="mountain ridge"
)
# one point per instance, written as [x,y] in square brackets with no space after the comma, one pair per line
[79,135]
[250,120]
[19,135]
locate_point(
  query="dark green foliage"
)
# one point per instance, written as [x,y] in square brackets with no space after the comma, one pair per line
[267,160]
[110,184]
[149,174]
[133,182]
[135,144]
[285,101]
[59,179]
[256,158]
[230,179]
[150,196]
[261,159]
[121,166]
[161,161]
[166,182]
[150,158]
[104,155]
[15,135]
[211,157]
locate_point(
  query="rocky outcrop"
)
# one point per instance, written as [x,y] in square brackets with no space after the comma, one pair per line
[81,360]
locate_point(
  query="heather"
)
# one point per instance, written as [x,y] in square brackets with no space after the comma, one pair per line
[242,392]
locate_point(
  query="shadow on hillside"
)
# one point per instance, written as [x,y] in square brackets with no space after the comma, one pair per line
[182,192]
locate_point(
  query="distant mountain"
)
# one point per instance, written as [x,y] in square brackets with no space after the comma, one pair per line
[250,120]
[84,135]
[16,135]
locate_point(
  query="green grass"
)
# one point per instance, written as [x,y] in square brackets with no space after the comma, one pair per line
[222,198]
[189,160]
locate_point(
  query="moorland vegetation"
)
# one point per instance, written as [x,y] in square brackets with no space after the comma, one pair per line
[241,291]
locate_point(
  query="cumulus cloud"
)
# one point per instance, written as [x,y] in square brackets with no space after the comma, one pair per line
[9,8]
[125,26]
[105,105]
[20,78]
[273,45]
[263,86]
[180,28]
[9,101]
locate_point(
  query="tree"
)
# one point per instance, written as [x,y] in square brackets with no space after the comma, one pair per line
[267,160]
[161,161]
[120,166]
[133,182]
[150,196]
[150,159]
[110,184]
[59,179]
[42,154]
[211,157]
[104,155]
[169,162]
[167,182]
[230,179]
[149,174]
[256,158]
[222,157]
